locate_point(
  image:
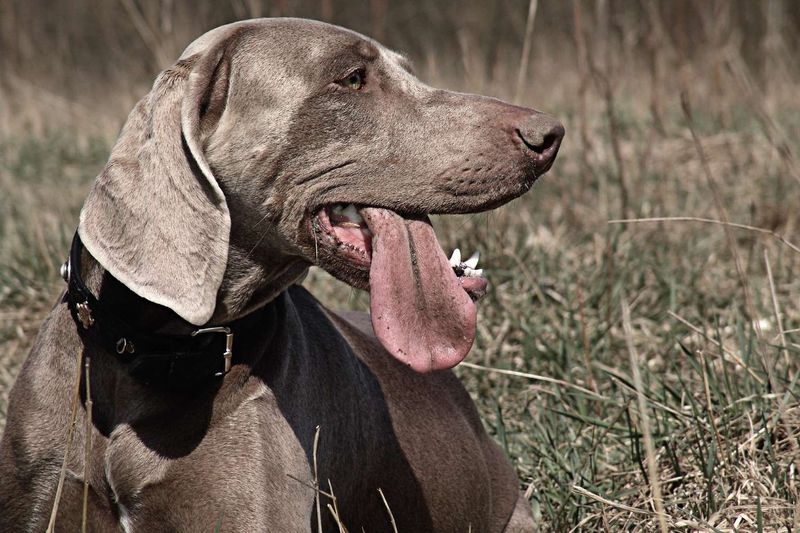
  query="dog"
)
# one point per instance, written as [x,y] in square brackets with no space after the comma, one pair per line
[221,395]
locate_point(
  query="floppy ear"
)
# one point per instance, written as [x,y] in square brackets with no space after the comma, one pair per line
[156,218]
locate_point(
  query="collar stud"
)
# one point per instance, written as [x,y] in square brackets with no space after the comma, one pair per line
[85,314]
[65,270]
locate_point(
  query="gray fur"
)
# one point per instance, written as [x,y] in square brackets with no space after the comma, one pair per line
[205,210]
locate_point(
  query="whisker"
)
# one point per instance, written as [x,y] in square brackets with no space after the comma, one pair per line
[261,238]
[262,219]
[316,244]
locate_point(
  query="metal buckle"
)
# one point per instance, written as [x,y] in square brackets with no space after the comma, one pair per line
[228,355]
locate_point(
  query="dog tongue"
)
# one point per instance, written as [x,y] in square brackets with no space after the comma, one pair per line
[420,313]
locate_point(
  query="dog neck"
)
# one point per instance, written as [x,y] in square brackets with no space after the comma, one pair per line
[151,341]
[136,311]
[255,275]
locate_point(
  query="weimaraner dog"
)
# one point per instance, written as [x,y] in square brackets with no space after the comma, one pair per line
[272,145]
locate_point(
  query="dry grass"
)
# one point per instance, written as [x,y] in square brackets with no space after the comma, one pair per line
[716,343]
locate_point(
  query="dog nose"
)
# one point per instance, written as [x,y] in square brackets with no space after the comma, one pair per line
[542,134]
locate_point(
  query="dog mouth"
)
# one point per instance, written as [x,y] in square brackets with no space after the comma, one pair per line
[422,303]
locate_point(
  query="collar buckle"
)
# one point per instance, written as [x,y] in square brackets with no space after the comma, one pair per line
[227,356]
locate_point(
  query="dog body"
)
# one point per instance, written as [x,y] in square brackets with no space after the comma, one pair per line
[241,454]
[216,199]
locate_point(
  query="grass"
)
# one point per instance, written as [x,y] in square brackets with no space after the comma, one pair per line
[613,361]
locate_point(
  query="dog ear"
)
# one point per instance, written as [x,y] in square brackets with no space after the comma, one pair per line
[156,218]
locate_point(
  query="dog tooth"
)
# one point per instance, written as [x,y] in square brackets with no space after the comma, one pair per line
[473,272]
[472,262]
[337,209]
[352,213]
[455,259]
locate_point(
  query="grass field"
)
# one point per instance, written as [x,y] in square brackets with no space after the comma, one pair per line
[641,375]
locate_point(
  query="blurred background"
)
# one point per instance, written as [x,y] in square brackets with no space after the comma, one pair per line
[84,62]
[637,354]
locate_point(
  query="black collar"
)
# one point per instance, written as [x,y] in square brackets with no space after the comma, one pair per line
[165,360]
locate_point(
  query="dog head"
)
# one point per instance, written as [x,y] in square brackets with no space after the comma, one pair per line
[275,144]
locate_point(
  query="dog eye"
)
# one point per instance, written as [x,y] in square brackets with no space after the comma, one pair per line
[355,80]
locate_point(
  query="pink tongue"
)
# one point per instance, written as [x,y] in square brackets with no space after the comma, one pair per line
[420,313]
